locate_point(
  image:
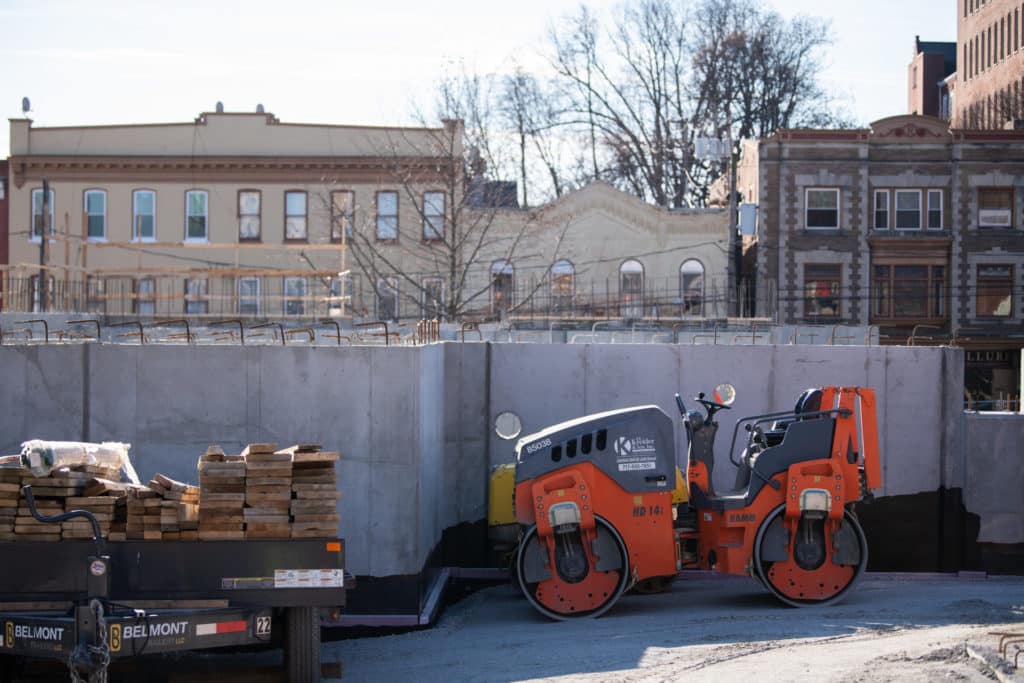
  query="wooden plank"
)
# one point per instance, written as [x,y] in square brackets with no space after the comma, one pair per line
[316,456]
[221,535]
[259,448]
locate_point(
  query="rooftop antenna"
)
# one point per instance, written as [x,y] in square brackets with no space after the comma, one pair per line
[220,107]
[259,109]
[26,105]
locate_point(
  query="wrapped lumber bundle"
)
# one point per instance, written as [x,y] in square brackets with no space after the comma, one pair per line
[314,492]
[268,491]
[221,496]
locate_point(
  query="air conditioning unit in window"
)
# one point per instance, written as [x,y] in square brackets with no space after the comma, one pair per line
[995,218]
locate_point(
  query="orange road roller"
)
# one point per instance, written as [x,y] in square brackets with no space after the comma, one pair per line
[600,506]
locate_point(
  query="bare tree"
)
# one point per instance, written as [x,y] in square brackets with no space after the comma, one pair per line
[666,71]
[440,261]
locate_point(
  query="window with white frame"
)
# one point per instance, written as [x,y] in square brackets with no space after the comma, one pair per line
[249,296]
[196,296]
[822,290]
[51,283]
[295,292]
[994,291]
[145,296]
[563,286]
[144,215]
[343,204]
[250,214]
[631,288]
[387,298]
[908,209]
[342,293]
[96,214]
[387,215]
[433,298]
[935,209]
[691,287]
[295,215]
[822,209]
[196,216]
[995,207]
[37,213]
[433,215]
[503,284]
[881,209]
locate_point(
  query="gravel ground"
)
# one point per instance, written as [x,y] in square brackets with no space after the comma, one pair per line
[721,628]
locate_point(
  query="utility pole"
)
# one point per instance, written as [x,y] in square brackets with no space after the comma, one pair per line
[43,242]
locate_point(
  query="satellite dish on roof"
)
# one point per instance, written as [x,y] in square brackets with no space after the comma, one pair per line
[26,106]
[259,109]
[220,108]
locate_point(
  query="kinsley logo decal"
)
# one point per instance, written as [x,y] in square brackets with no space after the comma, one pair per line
[636,445]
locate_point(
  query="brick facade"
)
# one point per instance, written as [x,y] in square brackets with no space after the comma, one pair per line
[908,225]
[990,74]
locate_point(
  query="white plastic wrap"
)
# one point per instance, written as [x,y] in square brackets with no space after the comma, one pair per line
[42,457]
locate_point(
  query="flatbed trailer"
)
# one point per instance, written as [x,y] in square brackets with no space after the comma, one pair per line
[89,602]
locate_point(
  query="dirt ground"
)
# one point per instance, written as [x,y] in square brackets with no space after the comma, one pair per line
[706,629]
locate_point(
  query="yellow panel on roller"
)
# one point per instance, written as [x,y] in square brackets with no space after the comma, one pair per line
[500,509]
[681,493]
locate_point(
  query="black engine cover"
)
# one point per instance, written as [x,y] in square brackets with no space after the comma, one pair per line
[633,446]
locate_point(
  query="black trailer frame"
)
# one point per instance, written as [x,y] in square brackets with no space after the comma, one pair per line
[265,591]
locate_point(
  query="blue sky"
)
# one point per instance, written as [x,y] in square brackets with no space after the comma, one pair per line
[113,61]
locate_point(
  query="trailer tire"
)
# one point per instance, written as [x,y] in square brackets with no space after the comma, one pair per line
[302,644]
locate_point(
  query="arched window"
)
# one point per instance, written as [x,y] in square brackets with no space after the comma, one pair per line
[563,284]
[691,287]
[503,284]
[631,289]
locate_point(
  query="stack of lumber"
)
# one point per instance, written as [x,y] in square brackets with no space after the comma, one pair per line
[143,507]
[268,491]
[102,507]
[10,485]
[63,489]
[221,496]
[179,508]
[314,492]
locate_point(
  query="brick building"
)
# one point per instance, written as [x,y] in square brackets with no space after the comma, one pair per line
[928,93]
[907,225]
[3,221]
[989,91]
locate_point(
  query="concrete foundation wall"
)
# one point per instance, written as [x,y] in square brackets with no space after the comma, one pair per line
[995,479]
[414,424]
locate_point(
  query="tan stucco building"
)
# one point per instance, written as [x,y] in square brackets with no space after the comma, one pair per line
[239,214]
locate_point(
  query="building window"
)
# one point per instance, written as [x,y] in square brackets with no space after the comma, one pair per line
[387,215]
[691,287]
[503,281]
[343,206]
[433,298]
[96,214]
[631,289]
[822,287]
[908,209]
[563,286]
[387,298]
[433,215]
[935,209]
[37,213]
[145,296]
[249,296]
[822,211]
[342,292]
[196,218]
[295,291]
[909,292]
[995,207]
[144,215]
[295,215]
[881,209]
[51,283]
[995,291]
[196,296]
[249,214]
